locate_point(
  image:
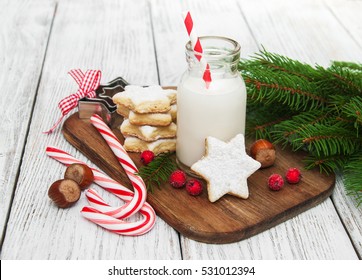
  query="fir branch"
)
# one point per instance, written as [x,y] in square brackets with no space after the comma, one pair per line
[288,131]
[352,177]
[337,101]
[280,63]
[261,119]
[269,87]
[326,165]
[344,79]
[319,110]
[262,130]
[349,65]
[353,110]
[326,140]
[157,171]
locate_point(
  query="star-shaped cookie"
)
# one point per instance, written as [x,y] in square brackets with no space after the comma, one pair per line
[226,167]
[151,99]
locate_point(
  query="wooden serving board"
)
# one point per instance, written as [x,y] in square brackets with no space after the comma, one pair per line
[227,220]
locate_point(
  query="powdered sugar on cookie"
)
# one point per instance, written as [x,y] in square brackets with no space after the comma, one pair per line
[147,132]
[145,99]
[134,144]
[149,118]
[226,167]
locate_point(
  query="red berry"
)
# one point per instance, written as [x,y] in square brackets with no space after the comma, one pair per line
[293,176]
[194,187]
[275,182]
[177,179]
[147,156]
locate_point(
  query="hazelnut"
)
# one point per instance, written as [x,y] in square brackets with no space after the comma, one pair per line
[264,152]
[79,173]
[64,193]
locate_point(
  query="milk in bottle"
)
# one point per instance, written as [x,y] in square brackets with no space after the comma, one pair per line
[217,111]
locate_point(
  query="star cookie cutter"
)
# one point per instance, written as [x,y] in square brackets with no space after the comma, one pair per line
[102,104]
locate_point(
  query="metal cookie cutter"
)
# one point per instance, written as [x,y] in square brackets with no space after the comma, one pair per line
[102,104]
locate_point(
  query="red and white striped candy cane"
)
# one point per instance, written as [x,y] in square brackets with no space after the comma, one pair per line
[140,191]
[107,221]
[103,214]
[104,181]
[196,46]
[119,226]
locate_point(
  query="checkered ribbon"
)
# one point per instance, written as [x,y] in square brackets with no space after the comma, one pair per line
[87,82]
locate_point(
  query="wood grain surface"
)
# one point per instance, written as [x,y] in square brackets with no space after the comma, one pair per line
[229,219]
[116,37]
[24,31]
[143,41]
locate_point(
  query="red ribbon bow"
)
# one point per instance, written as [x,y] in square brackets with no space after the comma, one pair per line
[87,82]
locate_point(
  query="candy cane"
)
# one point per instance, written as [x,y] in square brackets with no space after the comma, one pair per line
[101,213]
[102,180]
[140,191]
[196,46]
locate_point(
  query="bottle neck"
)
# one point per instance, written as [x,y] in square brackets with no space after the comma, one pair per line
[222,55]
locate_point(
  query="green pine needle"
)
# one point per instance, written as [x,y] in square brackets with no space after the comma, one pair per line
[312,108]
[352,177]
[329,140]
[326,165]
[158,171]
[352,66]
[353,110]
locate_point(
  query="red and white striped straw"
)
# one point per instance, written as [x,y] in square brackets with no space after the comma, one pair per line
[103,214]
[196,46]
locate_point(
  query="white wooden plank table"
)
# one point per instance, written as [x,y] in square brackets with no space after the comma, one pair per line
[143,41]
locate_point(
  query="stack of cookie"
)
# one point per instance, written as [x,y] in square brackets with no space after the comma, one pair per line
[149,118]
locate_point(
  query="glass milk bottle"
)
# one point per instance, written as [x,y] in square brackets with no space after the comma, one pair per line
[218,111]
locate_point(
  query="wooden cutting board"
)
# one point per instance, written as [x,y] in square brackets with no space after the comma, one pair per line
[227,220]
